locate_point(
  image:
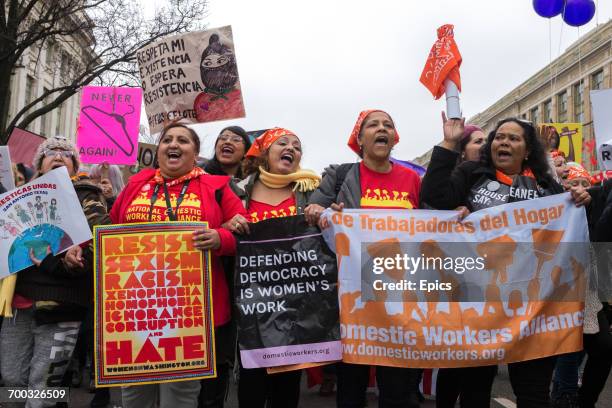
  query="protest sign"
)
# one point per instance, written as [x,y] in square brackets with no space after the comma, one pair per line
[146,158]
[193,76]
[109,124]
[286,294]
[420,289]
[567,138]
[601,105]
[40,216]
[23,145]
[6,170]
[153,304]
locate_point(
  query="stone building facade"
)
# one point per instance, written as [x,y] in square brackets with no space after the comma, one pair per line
[46,67]
[559,92]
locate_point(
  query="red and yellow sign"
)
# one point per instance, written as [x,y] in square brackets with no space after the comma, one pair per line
[568,138]
[153,305]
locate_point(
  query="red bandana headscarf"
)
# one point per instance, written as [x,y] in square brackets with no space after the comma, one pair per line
[265,140]
[352,142]
[557,153]
[443,62]
[575,171]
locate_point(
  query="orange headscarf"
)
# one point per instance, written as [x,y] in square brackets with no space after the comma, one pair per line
[443,62]
[557,153]
[352,142]
[575,171]
[265,140]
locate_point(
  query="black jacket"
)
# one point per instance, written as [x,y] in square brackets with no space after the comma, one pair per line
[446,186]
[52,281]
[600,212]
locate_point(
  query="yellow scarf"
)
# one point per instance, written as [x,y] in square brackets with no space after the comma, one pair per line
[305,180]
[7,290]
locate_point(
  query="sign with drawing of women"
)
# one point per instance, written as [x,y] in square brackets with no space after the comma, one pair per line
[38,218]
[191,76]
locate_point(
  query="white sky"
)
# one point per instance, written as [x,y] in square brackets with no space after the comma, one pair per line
[312,66]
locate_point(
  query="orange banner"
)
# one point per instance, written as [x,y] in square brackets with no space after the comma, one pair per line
[420,289]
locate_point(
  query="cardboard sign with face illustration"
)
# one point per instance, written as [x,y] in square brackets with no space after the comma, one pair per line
[192,76]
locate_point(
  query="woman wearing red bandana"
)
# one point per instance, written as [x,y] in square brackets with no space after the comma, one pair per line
[375,182]
[513,167]
[178,190]
[274,186]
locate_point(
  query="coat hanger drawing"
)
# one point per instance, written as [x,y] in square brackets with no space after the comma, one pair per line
[91,111]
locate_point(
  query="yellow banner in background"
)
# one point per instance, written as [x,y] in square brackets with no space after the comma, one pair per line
[569,140]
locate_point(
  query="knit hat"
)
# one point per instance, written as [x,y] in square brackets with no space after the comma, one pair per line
[352,142]
[52,143]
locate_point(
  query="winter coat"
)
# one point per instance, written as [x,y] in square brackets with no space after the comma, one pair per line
[219,204]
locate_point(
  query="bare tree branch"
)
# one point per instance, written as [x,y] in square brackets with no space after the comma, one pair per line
[86,41]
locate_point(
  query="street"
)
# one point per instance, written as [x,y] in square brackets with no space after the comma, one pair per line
[502,396]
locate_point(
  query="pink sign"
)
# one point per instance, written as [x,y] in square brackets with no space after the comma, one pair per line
[23,145]
[109,124]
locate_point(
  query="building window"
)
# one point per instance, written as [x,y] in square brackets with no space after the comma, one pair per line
[30,94]
[43,119]
[578,102]
[49,54]
[548,117]
[597,80]
[562,107]
[29,90]
[60,118]
[534,115]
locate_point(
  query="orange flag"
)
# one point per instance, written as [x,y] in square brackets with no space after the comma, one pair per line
[443,62]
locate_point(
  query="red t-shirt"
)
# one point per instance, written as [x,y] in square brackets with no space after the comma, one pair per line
[259,211]
[398,189]
[189,210]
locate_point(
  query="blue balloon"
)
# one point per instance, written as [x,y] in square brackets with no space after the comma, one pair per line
[578,12]
[548,8]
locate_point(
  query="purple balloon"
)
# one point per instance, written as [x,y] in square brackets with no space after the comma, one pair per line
[548,8]
[578,12]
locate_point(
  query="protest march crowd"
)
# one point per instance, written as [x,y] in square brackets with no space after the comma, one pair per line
[248,182]
[247,266]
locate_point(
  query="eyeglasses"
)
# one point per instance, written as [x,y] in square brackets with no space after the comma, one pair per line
[233,139]
[63,153]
